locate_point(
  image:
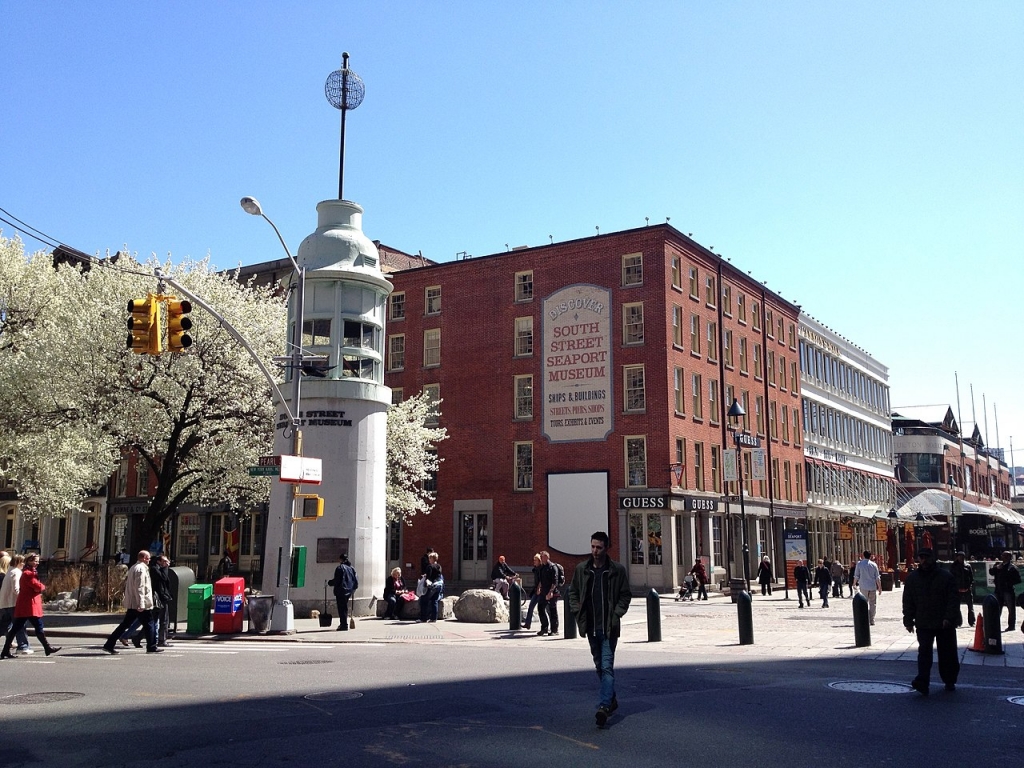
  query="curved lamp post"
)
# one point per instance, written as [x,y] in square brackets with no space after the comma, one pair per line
[252,206]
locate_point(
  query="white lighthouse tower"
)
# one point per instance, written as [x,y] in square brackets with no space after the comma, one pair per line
[343,413]
[338,406]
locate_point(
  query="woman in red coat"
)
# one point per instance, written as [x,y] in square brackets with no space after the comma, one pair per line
[29,608]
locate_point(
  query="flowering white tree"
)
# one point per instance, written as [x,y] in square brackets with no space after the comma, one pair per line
[74,399]
[411,460]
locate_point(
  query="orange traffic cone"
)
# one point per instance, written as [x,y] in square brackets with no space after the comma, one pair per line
[979,637]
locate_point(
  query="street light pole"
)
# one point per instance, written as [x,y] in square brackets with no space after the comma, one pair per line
[284,577]
[736,412]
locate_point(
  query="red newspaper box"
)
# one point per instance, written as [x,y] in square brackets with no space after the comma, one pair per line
[228,594]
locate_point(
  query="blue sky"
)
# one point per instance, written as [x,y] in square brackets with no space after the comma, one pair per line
[865,159]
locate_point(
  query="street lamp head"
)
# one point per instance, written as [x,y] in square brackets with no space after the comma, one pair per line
[920,517]
[892,514]
[736,410]
[251,206]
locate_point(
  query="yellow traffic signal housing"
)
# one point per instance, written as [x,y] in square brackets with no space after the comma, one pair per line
[312,506]
[144,326]
[177,325]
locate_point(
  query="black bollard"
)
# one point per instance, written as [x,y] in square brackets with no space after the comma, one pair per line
[745,615]
[991,612]
[569,630]
[861,622]
[653,617]
[515,606]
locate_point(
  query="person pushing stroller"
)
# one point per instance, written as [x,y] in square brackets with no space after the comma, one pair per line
[686,591]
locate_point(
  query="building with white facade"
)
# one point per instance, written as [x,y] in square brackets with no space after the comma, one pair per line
[848,464]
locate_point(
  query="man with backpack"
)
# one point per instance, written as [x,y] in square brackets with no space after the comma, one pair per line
[345,583]
[552,576]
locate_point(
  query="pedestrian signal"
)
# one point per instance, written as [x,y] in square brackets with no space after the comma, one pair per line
[144,326]
[312,506]
[178,324]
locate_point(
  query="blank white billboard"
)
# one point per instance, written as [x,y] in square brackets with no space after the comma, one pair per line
[577,506]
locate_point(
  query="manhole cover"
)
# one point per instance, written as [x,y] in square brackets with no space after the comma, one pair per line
[1016,700]
[308,661]
[870,686]
[40,698]
[333,696]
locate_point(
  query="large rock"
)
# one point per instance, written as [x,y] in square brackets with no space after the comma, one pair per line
[481,606]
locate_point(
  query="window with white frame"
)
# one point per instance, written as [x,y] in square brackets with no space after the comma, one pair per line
[757,361]
[141,478]
[694,288]
[523,466]
[695,334]
[773,419]
[122,479]
[710,291]
[713,342]
[397,306]
[755,312]
[677,326]
[633,323]
[697,395]
[433,393]
[771,367]
[524,396]
[681,460]
[698,466]
[727,349]
[634,389]
[396,352]
[743,354]
[785,424]
[713,400]
[524,336]
[432,300]
[636,461]
[524,286]
[677,272]
[633,269]
[432,347]
[741,308]
[727,300]
[783,374]
[716,469]
[680,390]
[769,325]
[759,413]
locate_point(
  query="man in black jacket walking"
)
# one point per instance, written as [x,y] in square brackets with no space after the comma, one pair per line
[931,605]
[1006,577]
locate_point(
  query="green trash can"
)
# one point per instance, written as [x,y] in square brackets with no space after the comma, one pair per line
[200,599]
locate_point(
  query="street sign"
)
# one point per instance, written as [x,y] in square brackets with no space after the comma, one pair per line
[301,469]
[731,499]
[270,461]
[264,471]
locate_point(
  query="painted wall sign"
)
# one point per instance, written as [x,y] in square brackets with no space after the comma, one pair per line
[577,364]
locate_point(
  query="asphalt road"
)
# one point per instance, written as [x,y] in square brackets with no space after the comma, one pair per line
[515,703]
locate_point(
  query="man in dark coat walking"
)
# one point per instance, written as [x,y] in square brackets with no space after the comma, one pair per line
[931,605]
[1006,577]
[345,583]
[802,574]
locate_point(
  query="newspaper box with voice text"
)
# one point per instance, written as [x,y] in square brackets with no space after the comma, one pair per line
[228,594]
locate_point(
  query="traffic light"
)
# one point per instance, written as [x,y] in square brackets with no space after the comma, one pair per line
[177,325]
[312,506]
[144,326]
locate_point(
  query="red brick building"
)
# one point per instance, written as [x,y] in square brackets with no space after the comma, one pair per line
[585,385]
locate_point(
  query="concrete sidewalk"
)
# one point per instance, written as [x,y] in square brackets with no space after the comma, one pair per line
[782,630]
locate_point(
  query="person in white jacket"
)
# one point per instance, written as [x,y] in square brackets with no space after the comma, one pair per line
[10,572]
[138,603]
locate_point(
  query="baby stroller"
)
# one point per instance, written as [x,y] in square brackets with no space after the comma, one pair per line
[686,591]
